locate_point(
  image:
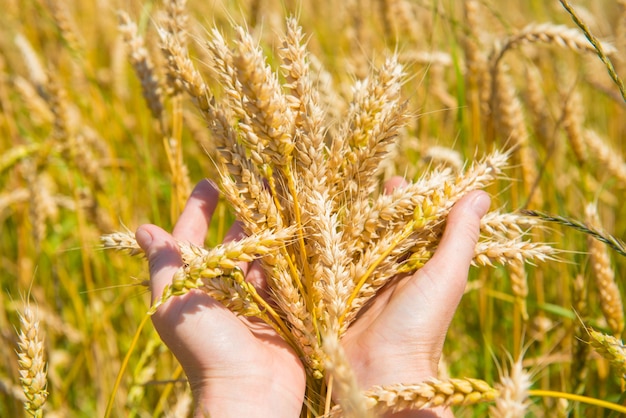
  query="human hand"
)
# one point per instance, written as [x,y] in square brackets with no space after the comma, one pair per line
[236,366]
[399,338]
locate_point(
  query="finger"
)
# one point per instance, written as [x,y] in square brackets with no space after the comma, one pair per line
[396,182]
[163,256]
[235,233]
[193,223]
[444,277]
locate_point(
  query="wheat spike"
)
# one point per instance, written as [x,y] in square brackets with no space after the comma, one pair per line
[572,123]
[143,65]
[66,25]
[608,291]
[550,34]
[611,348]
[428,394]
[511,123]
[537,103]
[608,158]
[32,365]
[512,400]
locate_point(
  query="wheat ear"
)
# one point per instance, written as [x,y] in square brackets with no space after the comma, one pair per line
[429,394]
[512,400]
[611,348]
[32,365]
[608,291]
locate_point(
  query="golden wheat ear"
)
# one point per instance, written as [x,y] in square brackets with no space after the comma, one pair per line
[32,365]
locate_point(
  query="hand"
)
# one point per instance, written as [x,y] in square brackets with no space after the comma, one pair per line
[400,337]
[236,366]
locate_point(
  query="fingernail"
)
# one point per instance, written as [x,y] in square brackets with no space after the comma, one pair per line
[143,237]
[480,203]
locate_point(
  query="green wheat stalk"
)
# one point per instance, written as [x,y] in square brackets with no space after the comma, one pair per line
[615,243]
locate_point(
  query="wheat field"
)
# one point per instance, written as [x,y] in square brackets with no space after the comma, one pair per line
[111,111]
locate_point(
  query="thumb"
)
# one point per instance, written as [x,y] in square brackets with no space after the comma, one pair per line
[444,277]
[163,256]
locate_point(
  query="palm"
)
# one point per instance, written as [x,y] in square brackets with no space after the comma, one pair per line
[222,354]
[400,337]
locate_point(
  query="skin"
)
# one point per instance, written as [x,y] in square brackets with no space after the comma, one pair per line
[241,367]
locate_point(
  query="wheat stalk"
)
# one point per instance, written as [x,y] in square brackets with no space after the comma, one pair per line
[613,242]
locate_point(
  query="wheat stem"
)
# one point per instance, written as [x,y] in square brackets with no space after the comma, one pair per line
[578,398]
[598,47]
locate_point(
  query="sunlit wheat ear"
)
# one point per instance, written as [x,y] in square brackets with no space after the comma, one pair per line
[573,124]
[611,348]
[512,400]
[36,71]
[511,124]
[39,111]
[399,19]
[519,284]
[426,395]
[548,33]
[442,156]
[608,158]
[176,20]
[32,365]
[303,99]
[268,119]
[143,65]
[66,25]
[370,129]
[537,103]
[608,291]
[477,63]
